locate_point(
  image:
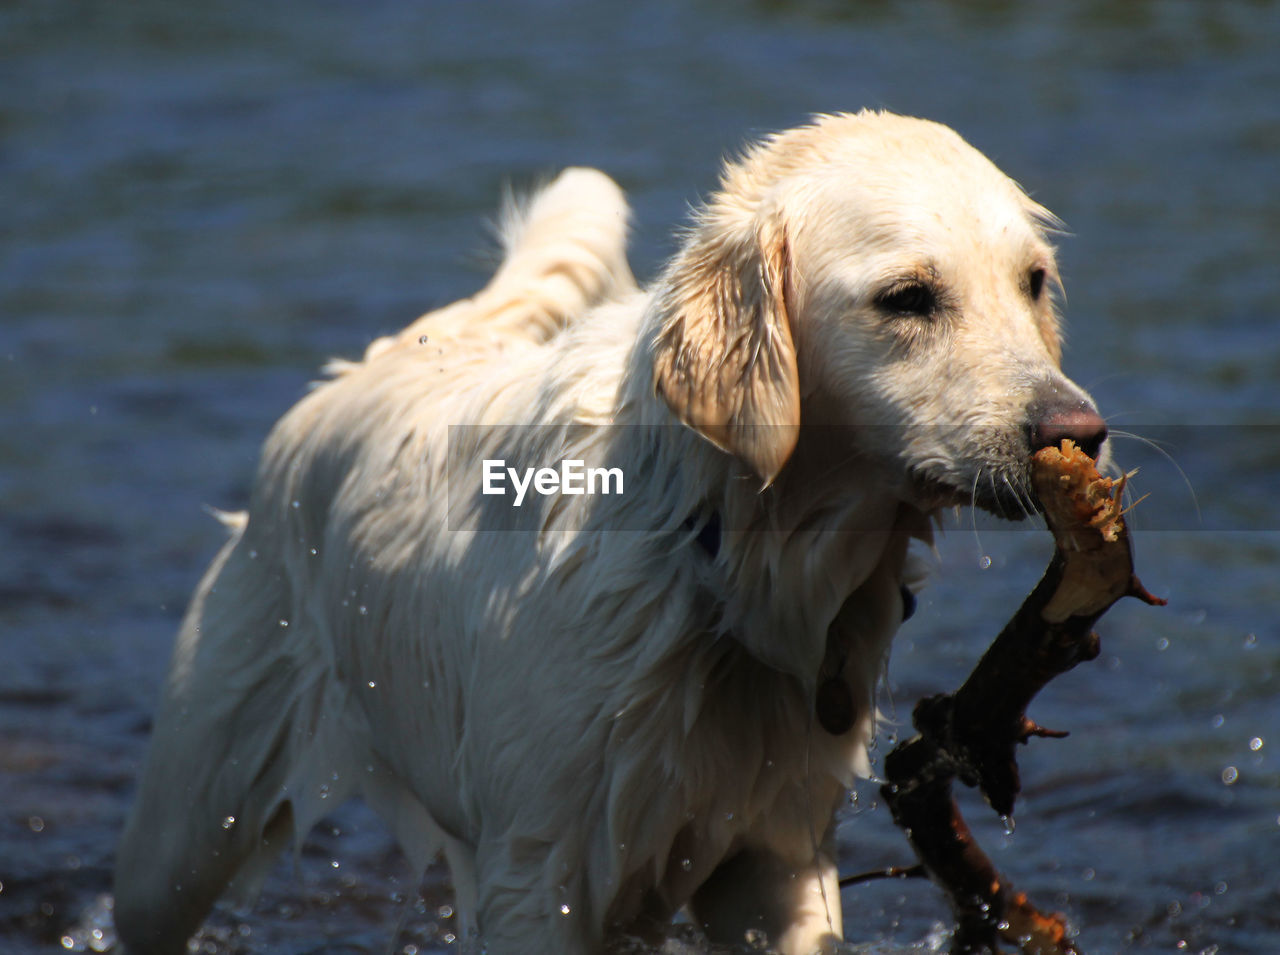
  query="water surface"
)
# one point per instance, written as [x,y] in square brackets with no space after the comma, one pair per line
[201,203]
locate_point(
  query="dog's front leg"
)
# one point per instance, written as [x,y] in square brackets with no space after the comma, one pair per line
[759,895]
[784,891]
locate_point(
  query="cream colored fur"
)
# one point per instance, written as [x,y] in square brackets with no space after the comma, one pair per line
[596,718]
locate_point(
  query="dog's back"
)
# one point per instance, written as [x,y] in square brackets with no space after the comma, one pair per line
[255,739]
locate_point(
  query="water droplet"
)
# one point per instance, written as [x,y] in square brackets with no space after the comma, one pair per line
[334,863]
[314,552]
[445,911]
[295,504]
[324,790]
[448,938]
[1220,888]
[364,611]
[284,623]
[1162,644]
[422,340]
[372,684]
[564,909]
[253,554]
[1088,875]
[984,562]
[1218,721]
[686,864]
[68,942]
[228,822]
[1250,641]
[1230,775]
[1256,743]
[35,824]
[1009,824]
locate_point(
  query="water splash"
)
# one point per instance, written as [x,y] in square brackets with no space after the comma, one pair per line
[95,931]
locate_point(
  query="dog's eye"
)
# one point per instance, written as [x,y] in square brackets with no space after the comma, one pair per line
[1035,283]
[908,298]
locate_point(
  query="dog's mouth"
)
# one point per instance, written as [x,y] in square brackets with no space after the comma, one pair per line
[1003,490]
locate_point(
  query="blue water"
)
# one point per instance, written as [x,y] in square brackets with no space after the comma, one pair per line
[199,204]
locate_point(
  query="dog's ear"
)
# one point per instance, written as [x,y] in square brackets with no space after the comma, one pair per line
[725,359]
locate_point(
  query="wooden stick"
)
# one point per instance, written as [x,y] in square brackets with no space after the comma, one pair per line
[971,734]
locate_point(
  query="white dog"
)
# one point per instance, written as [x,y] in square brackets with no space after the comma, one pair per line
[606,707]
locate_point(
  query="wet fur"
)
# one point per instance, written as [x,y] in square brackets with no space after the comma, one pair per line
[599,726]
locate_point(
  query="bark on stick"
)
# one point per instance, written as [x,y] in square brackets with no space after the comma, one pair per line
[971,734]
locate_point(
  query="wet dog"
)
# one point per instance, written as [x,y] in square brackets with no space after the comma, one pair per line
[606,708]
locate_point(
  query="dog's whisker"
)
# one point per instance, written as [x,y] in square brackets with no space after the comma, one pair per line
[995,494]
[1116,415]
[1155,446]
[973,509]
[1020,496]
[1013,494]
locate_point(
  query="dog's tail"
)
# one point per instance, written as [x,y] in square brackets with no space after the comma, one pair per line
[564,251]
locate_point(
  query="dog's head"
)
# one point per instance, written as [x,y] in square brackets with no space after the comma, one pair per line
[874,274]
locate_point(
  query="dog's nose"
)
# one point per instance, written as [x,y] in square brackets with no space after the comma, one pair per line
[1079,421]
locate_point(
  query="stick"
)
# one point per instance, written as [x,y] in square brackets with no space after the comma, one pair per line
[971,734]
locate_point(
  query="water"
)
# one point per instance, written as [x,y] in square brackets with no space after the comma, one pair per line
[201,203]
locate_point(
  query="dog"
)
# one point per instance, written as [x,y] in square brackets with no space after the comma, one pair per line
[605,708]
